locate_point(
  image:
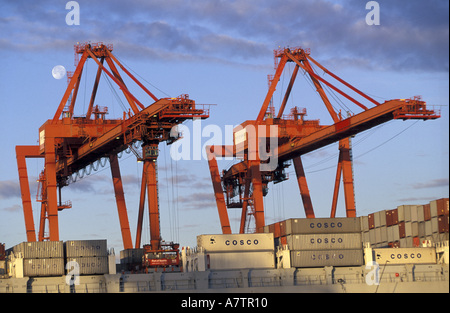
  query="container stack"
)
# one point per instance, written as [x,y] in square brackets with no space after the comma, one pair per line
[407,226]
[41,258]
[91,256]
[236,251]
[320,242]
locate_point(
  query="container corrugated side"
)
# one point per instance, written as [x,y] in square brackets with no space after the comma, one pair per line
[405,255]
[43,267]
[240,260]
[82,248]
[327,258]
[90,265]
[131,256]
[324,241]
[40,249]
[236,242]
[320,225]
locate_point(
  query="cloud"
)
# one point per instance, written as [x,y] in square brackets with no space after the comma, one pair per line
[441,182]
[13,208]
[197,201]
[9,189]
[412,35]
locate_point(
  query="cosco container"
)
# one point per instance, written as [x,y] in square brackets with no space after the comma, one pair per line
[88,265]
[43,267]
[324,241]
[40,249]
[327,258]
[240,260]
[236,242]
[404,255]
[320,226]
[82,248]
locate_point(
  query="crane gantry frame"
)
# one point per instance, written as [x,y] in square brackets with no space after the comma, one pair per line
[295,137]
[68,144]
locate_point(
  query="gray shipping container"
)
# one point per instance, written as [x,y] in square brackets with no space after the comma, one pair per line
[320,225]
[405,255]
[43,267]
[128,256]
[84,248]
[89,265]
[324,241]
[40,249]
[327,258]
[236,242]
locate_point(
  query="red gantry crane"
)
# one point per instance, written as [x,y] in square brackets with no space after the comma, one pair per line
[69,144]
[276,138]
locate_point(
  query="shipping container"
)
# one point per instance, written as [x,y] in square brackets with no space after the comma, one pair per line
[87,265]
[327,258]
[40,249]
[129,256]
[389,218]
[364,223]
[236,242]
[443,224]
[296,226]
[380,219]
[43,267]
[407,213]
[405,255]
[240,260]
[85,248]
[394,217]
[439,207]
[426,212]
[324,241]
[371,218]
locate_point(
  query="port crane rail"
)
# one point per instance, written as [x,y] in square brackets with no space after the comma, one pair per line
[295,137]
[68,144]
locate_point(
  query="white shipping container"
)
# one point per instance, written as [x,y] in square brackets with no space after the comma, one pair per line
[324,241]
[327,258]
[236,242]
[40,249]
[404,255]
[240,260]
[407,213]
[43,267]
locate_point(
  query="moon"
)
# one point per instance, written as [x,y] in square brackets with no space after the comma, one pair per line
[58,72]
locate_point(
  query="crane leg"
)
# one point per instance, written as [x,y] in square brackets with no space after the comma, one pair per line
[141,210]
[344,168]
[153,209]
[120,200]
[258,200]
[22,152]
[52,192]
[347,172]
[218,191]
[303,186]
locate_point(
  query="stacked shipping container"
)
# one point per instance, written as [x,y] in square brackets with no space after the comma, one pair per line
[237,251]
[407,226]
[49,258]
[91,256]
[320,242]
[42,258]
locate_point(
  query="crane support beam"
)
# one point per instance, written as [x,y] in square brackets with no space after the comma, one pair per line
[120,200]
[22,153]
[303,186]
[218,191]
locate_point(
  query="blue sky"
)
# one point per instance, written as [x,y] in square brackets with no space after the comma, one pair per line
[220,52]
